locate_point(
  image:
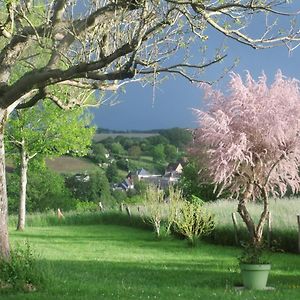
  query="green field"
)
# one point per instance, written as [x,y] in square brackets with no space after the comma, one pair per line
[117,262]
[68,164]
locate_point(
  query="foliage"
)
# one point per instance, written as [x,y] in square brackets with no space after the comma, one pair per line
[178,137]
[123,164]
[140,186]
[119,195]
[135,151]
[192,184]
[134,199]
[112,173]
[193,221]
[21,271]
[86,206]
[117,149]
[251,135]
[253,254]
[251,139]
[154,201]
[158,153]
[170,152]
[99,153]
[46,190]
[90,187]
[49,131]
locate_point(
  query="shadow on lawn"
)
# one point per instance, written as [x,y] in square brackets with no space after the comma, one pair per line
[130,280]
[126,277]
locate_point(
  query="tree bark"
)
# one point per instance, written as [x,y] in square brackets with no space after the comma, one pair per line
[255,232]
[23,187]
[4,242]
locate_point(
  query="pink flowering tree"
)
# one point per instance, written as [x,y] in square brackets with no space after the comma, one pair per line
[251,138]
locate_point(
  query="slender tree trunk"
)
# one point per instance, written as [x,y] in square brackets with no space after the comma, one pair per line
[4,242]
[263,218]
[23,187]
[244,213]
[255,232]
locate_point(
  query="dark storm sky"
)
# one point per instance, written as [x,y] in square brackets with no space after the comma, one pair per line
[138,108]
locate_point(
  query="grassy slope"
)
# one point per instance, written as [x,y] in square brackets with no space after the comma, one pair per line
[67,164]
[115,262]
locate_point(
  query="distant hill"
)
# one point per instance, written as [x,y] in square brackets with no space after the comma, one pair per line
[98,137]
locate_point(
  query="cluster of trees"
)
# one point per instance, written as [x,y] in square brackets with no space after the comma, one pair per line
[167,146]
[63,51]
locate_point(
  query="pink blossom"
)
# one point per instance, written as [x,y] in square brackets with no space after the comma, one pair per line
[251,135]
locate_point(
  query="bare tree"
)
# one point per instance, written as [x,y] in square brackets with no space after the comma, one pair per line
[101,45]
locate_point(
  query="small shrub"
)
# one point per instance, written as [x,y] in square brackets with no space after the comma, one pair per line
[21,271]
[86,206]
[154,199]
[193,221]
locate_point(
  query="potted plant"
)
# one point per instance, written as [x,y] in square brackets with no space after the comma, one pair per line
[254,266]
[251,144]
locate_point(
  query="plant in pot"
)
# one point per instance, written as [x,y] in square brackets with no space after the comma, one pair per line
[254,266]
[250,141]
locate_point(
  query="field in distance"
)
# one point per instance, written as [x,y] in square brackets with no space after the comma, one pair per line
[102,136]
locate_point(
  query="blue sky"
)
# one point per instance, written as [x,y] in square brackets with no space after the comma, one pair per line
[174,99]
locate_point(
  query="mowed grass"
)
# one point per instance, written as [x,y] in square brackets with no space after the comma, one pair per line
[117,262]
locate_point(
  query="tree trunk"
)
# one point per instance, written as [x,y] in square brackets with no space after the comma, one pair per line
[23,187]
[255,232]
[4,242]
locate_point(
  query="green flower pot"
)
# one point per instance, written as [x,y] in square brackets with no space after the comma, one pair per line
[255,277]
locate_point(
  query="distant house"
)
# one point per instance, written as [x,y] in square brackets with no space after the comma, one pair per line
[126,184]
[174,168]
[172,174]
[142,174]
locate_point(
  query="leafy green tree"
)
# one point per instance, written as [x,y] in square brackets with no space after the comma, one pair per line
[99,153]
[171,152]
[90,187]
[179,137]
[45,131]
[112,173]
[157,139]
[123,164]
[46,190]
[117,149]
[135,151]
[158,153]
[192,184]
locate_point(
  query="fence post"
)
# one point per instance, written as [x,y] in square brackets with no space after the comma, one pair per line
[100,206]
[235,228]
[128,210]
[269,224]
[298,219]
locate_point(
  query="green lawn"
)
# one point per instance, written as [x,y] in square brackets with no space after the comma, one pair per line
[116,262]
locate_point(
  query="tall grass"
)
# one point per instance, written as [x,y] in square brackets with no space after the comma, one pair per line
[284,221]
[85,218]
